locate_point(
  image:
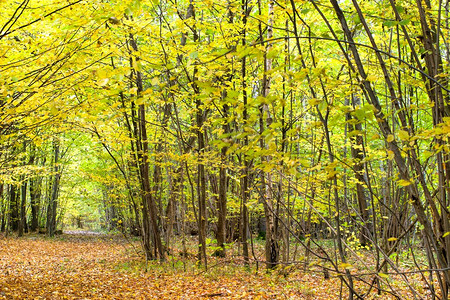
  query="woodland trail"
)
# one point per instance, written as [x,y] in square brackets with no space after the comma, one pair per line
[95,266]
[88,266]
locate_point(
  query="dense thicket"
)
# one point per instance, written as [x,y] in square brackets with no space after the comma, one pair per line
[291,121]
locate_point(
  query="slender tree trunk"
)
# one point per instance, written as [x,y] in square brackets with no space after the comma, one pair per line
[337,204]
[222,199]
[23,219]
[3,209]
[35,198]
[201,184]
[357,144]
[53,201]
[245,170]
[201,175]
[271,247]
[151,231]
[13,208]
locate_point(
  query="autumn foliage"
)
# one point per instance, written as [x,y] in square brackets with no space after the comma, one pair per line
[247,135]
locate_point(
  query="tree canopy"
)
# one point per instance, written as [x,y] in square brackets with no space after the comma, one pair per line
[293,121]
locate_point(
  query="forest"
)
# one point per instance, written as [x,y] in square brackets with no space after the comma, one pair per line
[276,140]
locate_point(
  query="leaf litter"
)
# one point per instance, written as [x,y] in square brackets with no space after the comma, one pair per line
[92,266]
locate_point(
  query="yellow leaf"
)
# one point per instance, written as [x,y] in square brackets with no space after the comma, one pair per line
[446,234]
[382,275]
[155,81]
[103,82]
[140,101]
[345,266]
[403,135]
[133,91]
[390,138]
[371,78]
[313,101]
[403,182]
[392,239]
[390,154]
[427,154]
[136,65]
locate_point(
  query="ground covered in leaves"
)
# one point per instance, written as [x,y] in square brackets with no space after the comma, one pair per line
[90,266]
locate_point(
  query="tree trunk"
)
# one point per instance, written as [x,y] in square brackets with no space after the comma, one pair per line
[222,199]
[357,143]
[149,213]
[13,208]
[35,199]
[23,219]
[3,209]
[245,170]
[53,201]
[265,120]
[201,185]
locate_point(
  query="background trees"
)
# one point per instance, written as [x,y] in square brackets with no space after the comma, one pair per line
[295,121]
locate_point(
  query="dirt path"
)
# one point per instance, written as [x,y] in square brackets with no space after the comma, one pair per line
[86,266]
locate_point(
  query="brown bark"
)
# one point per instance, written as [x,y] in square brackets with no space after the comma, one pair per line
[23,218]
[35,198]
[53,200]
[3,210]
[272,246]
[13,208]
[245,171]
[151,232]
[223,187]
[357,143]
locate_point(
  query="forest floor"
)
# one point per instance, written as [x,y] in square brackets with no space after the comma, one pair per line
[94,266]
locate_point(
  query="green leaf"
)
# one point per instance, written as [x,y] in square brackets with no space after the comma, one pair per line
[194,55]
[390,23]
[400,8]
[404,22]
